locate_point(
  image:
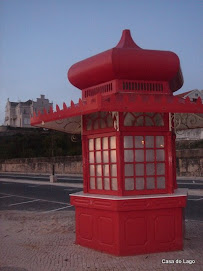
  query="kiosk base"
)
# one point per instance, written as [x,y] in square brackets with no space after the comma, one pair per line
[130,225]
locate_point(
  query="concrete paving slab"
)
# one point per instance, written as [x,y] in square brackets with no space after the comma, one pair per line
[46,242]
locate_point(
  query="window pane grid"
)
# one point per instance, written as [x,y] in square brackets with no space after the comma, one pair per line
[103,163]
[144,162]
[98,120]
[143,119]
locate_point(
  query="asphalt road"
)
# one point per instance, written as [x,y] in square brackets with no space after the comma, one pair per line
[51,198]
[35,197]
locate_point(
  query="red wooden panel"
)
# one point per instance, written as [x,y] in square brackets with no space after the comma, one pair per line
[85,226]
[130,227]
[135,228]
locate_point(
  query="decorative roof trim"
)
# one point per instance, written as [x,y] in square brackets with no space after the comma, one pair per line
[128,102]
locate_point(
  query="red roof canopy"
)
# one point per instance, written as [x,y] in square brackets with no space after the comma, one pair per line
[130,62]
[68,119]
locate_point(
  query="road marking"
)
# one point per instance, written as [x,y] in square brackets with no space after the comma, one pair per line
[191,183]
[70,189]
[196,199]
[195,220]
[5,197]
[24,202]
[34,198]
[57,209]
[34,185]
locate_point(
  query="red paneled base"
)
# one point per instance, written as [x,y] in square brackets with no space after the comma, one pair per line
[130,225]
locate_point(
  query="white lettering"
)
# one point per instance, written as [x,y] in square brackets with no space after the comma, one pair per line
[178,261]
[189,261]
[167,261]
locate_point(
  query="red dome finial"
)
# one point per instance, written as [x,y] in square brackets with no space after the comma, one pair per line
[127,61]
[126,40]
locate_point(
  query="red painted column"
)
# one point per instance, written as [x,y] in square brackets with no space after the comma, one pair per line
[85,163]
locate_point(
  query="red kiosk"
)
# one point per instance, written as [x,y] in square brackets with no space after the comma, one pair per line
[130,203]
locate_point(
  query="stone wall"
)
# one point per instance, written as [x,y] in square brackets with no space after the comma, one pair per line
[189,163]
[63,165]
[190,134]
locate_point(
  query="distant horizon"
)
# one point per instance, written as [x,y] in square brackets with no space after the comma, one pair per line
[19,101]
[41,40]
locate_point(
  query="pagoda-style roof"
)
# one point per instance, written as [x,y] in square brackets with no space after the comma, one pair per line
[159,70]
[127,61]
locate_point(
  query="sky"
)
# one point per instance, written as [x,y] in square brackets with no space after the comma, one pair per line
[41,39]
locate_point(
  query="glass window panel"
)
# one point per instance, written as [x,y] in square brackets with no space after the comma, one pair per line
[102,123]
[92,173]
[113,156]
[128,155]
[89,125]
[160,141]
[105,156]
[148,121]
[94,115]
[106,170]
[139,155]
[99,183]
[161,183]
[129,170]
[114,170]
[150,155]
[128,142]
[105,143]
[112,142]
[140,121]
[160,169]
[103,114]
[91,144]
[149,114]
[106,184]
[149,141]
[92,183]
[129,184]
[114,184]
[98,170]
[139,169]
[150,183]
[160,155]
[98,144]
[96,124]
[137,114]
[158,119]
[150,169]
[139,142]
[129,120]
[91,157]
[139,183]
[109,121]
[98,156]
